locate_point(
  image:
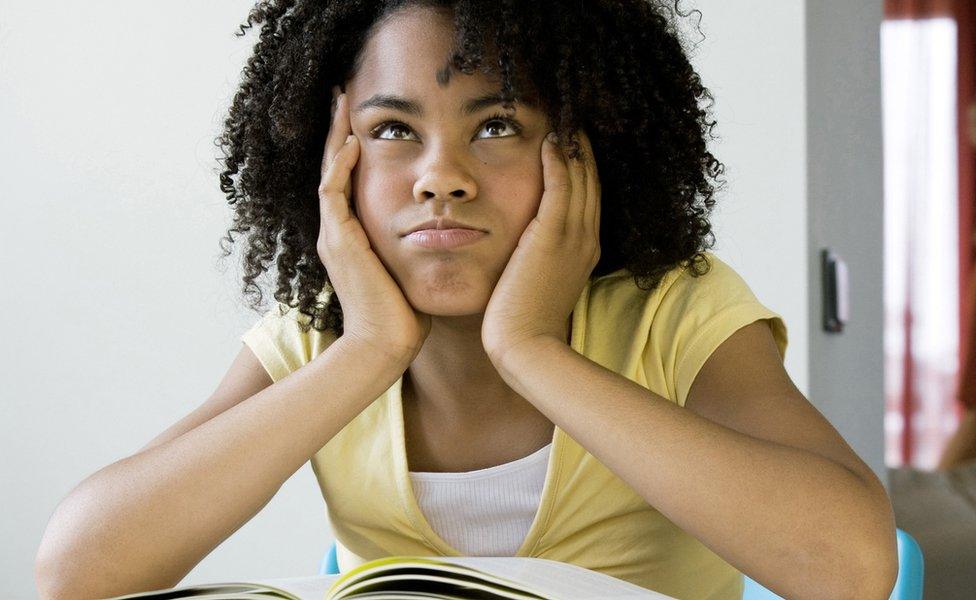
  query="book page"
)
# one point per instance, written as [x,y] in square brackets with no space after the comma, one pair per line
[539,576]
[211,591]
[288,588]
[556,579]
[409,570]
[313,587]
[430,586]
[405,596]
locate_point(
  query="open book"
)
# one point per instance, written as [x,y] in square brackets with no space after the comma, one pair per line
[442,577]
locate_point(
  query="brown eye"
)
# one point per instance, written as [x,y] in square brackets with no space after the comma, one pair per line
[501,123]
[496,124]
[392,126]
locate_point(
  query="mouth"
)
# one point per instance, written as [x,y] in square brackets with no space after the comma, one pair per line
[441,239]
[442,224]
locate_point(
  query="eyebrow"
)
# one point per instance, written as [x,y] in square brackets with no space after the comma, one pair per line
[412,107]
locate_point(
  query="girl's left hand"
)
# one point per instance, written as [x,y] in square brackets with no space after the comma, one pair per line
[554,258]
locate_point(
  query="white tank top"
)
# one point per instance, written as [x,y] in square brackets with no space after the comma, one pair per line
[486,512]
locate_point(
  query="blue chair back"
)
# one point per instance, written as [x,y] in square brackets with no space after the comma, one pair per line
[329,565]
[908,586]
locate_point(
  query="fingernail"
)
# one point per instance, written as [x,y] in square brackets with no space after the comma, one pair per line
[552,137]
[348,139]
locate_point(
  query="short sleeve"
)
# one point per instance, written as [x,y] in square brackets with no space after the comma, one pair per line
[694,317]
[280,344]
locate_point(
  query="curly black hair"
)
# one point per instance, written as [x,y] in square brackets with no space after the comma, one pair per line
[617,69]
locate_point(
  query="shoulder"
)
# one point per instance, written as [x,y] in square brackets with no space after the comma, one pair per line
[712,281]
[283,340]
[679,323]
[688,290]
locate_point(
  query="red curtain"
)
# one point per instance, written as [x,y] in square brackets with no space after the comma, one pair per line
[964,13]
[966,21]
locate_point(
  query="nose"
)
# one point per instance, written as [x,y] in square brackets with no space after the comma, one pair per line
[445,179]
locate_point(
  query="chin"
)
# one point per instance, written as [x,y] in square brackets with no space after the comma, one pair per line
[452,309]
[443,294]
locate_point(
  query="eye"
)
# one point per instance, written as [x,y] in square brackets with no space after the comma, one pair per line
[392,126]
[494,122]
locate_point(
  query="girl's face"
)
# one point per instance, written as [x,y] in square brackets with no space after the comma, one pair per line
[431,156]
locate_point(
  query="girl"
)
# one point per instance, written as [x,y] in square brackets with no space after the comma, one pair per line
[490,340]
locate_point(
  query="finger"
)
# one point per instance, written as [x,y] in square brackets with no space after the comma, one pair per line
[335,96]
[347,122]
[557,186]
[598,208]
[576,206]
[329,148]
[333,201]
[591,216]
[339,128]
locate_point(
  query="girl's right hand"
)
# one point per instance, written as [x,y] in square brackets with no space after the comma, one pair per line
[374,309]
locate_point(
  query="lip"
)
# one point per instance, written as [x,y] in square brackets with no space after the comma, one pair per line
[445,238]
[441,224]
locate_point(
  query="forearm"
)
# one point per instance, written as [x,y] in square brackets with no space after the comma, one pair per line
[787,516]
[145,521]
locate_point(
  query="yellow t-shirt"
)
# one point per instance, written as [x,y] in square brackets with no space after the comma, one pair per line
[587,515]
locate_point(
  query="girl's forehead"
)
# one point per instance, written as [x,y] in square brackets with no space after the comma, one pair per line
[417,42]
[410,38]
[409,56]
[410,84]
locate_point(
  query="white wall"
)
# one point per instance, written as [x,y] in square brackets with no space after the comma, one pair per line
[754,68]
[845,203]
[117,317]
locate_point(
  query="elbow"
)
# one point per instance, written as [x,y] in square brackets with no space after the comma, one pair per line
[857,559]
[880,581]
[873,579]
[47,583]
[46,573]
[877,589]
[887,552]
[54,583]
[60,557]
[54,580]
[871,567]
[879,560]
[869,583]
[878,551]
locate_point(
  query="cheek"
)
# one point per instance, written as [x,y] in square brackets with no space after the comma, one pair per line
[518,185]
[523,215]
[389,165]
[378,195]
[382,169]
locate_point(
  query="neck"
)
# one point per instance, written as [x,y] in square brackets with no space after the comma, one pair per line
[453,378]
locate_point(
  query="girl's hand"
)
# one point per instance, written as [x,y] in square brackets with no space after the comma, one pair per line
[554,257]
[374,308]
